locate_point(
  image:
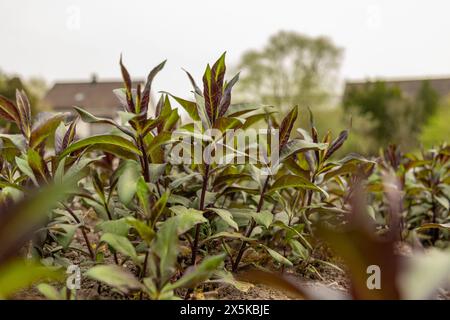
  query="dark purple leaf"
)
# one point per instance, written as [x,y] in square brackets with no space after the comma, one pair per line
[226,96]
[8,110]
[147,89]
[23,106]
[287,125]
[128,84]
[336,144]
[194,85]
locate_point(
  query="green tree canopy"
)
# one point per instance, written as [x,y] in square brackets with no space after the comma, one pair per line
[35,89]
[397,118]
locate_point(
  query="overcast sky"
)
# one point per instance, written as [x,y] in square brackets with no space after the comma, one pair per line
[72,39]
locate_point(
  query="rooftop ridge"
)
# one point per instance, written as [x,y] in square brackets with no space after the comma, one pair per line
[398,79]
[98,81]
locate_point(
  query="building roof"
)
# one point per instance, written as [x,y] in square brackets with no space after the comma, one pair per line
[96,97]
[409,86]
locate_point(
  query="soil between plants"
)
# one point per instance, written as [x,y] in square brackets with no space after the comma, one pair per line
[93,290]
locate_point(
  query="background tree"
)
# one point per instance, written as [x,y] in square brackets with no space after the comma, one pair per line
[396,118]
[437,130]
[35,88]
[292,69]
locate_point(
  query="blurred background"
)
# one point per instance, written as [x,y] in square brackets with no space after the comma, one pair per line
[382,67]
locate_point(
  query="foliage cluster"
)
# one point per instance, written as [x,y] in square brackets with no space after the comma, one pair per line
[163,229]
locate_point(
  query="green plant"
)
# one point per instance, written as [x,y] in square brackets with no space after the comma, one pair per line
[164,208]
[363,250]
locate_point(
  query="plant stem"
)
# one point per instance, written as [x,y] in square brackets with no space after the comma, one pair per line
[308,204]
[146,173]
[197,228]
[201,207]
[144,159]
[250,227]
[434,231]
[144,267]
[83,232]
[107,211]
[116,260]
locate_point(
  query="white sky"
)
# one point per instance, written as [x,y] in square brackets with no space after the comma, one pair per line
[380,38]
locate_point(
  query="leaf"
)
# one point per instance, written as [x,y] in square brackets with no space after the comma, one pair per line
[114,276]
[226,97]
[20,274]
[293,287]
[114,150]
[143,194]
[424,274]
[5,184]
[44,127]
[119,227]
[17,140]
[186,218]
[297,145]
[185,178]
[98,185]
[263,218]
[231,235]
[127,82]
[210,197]
[90,118]
[170,119]
[101,139]
[177,199]
[194,85]
[226,216]
[156,171]
[228,278]
[49,292]
[25,168]
[147,89]
[281,224]
[240,109]
[298,249]
[155,146]
[127,184]
[291,181]
[202,113]
[189,106]
[224,124]
[36,164]
[159,207]
[200,273]
[64,137]
[251,120]
[278,257]
[444,202]
[145,232]
[213,86]
[353,245]
[336,144]
[23,106]
[19,220]
[425,226]
[64,233]
[148,125]
[166,247]
[8,110]
[286,126]
[76,169]
[120,244]
[349,164]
